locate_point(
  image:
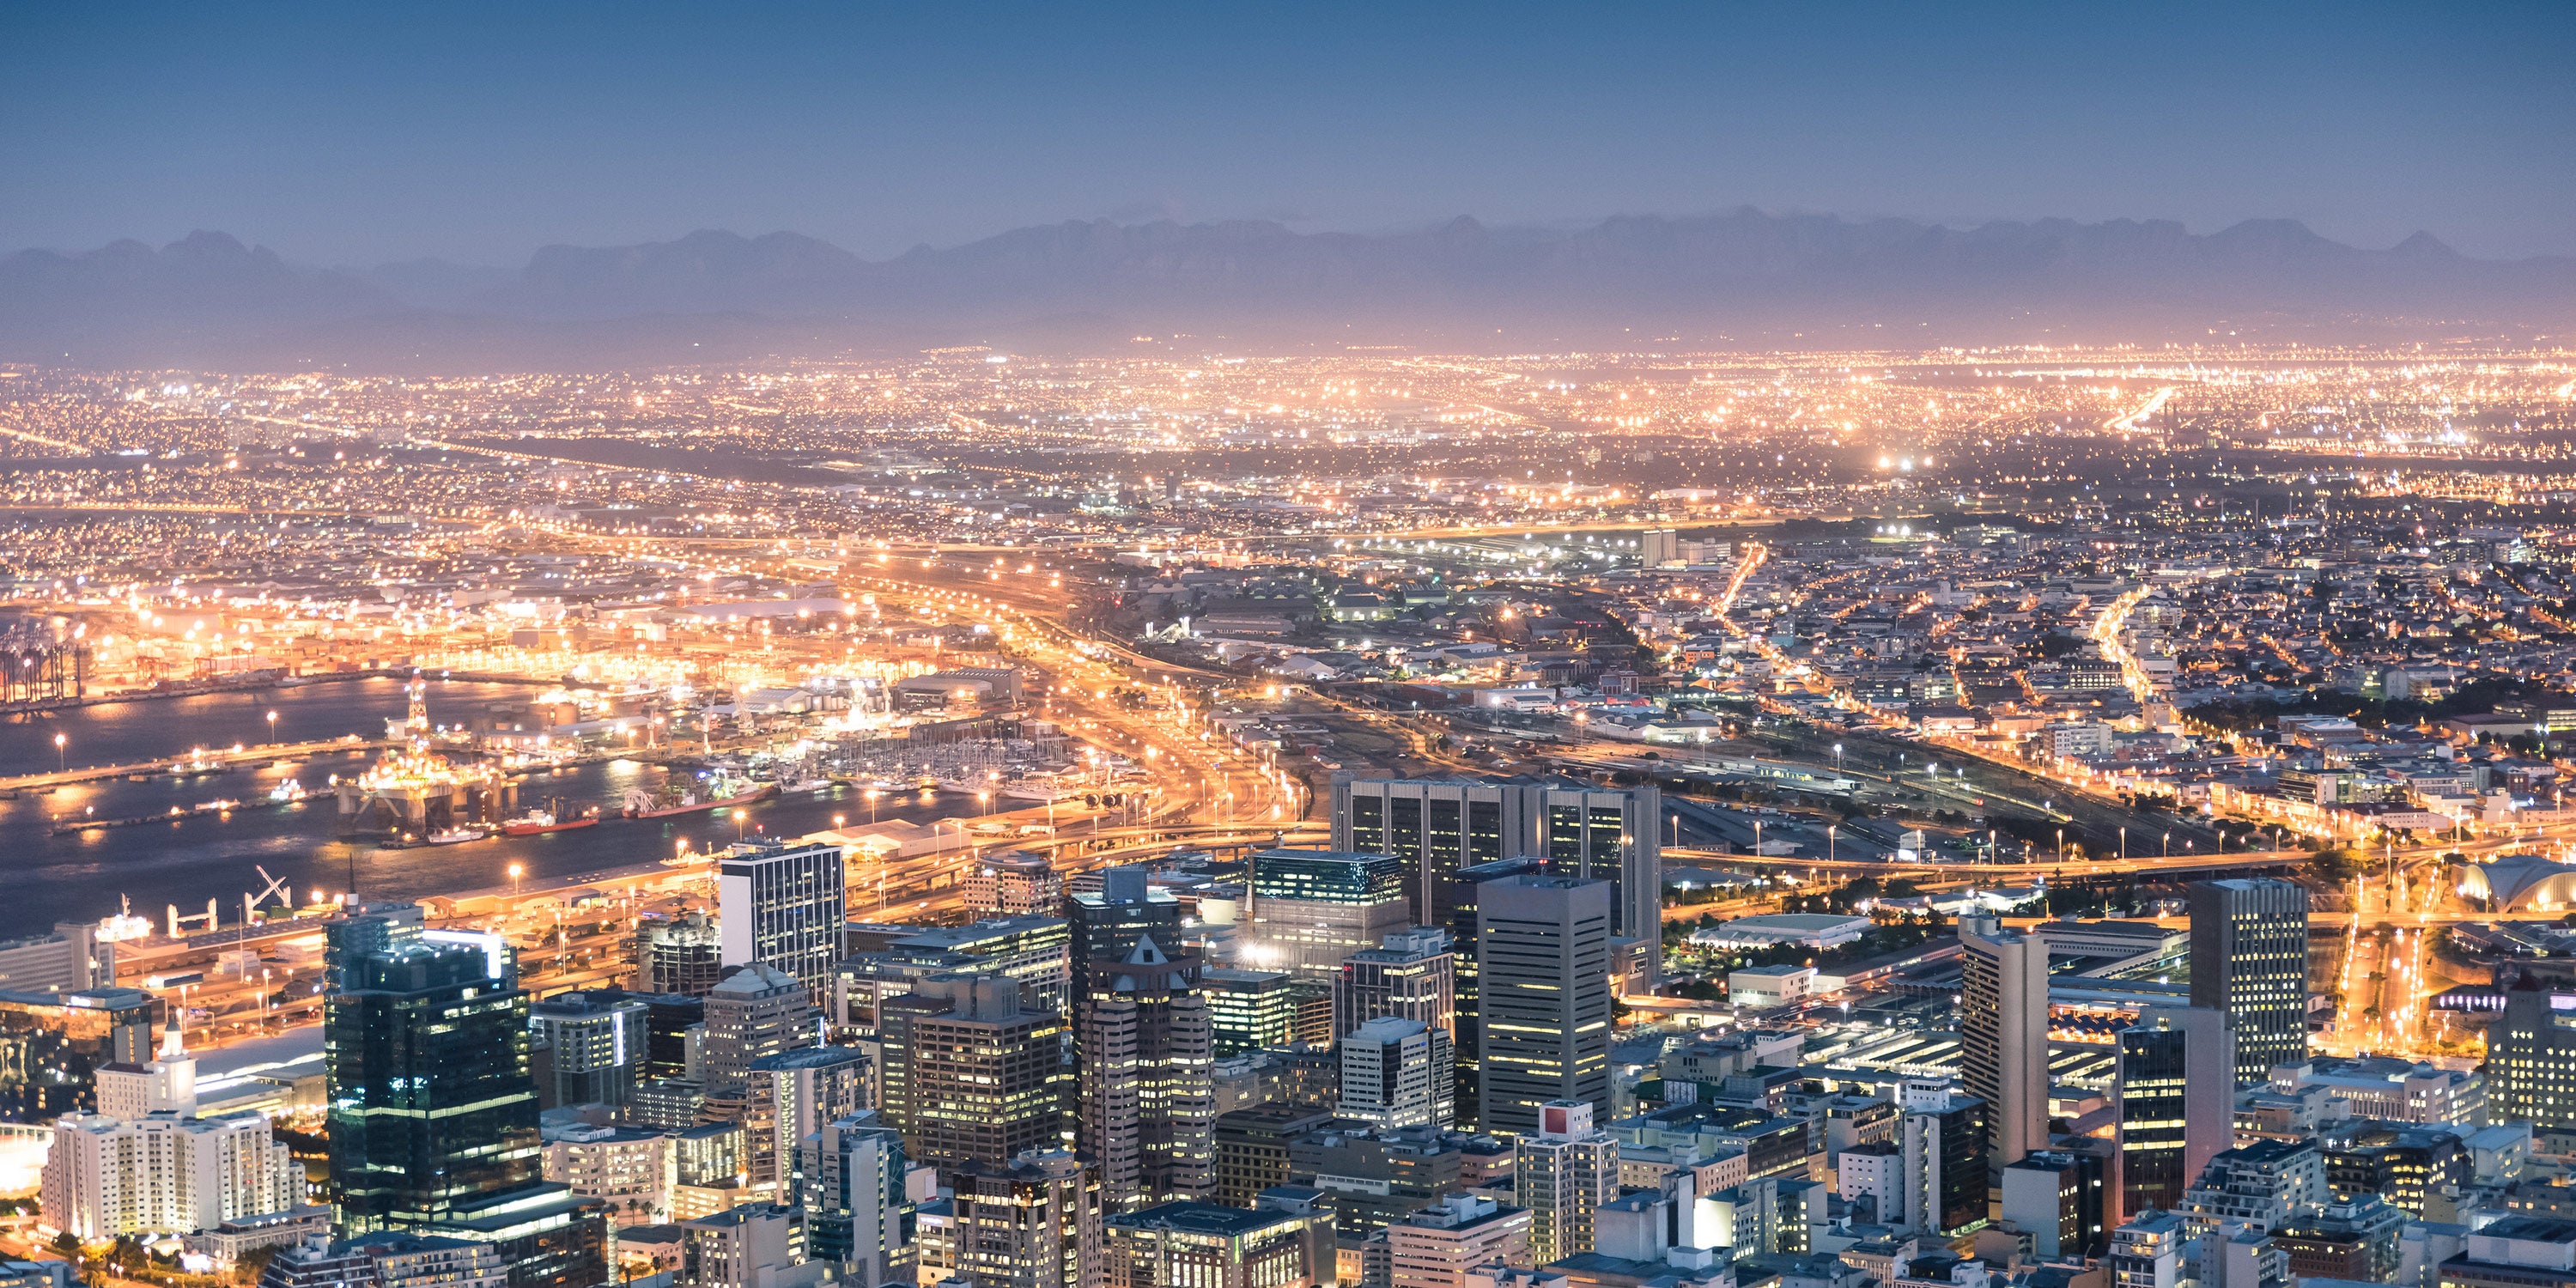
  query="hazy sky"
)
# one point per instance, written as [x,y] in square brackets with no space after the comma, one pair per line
[357,132]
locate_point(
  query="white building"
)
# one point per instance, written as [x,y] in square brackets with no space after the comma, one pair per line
[164,1174]
[1391,1074]
[1770,985]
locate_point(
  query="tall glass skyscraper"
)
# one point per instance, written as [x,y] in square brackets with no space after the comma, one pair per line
[2249,962]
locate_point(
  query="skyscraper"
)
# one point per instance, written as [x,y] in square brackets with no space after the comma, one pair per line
[788,1097]
[757,1011]
[1033,1222]
[2249,962]
[2003,1035]
[1468,1044]
[970,1075]
[433,1118]
[588,1048]
[1561,1175]
[682,955]
[1105,922]
[782,906]
[1396,1072]
[1251,1009]
[1941,1138]
[1412,974]
[1312,908]
[853,1199]
[2175,1087]
[1543,952]
[1147,1044]
[2531,1058]
[1435,827]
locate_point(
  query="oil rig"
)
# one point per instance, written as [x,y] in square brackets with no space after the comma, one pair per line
[416,793]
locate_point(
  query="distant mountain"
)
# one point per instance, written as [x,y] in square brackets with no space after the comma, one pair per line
[1742,275]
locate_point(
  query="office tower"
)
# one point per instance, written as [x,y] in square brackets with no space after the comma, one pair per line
[1411,974]
[752,1246]
[164,1174]
[668,1018]
[1033,1222]
[1249,1009]
[433,1118]
[1437,1246]
[2003,1034]
[1377,1176]
[1013,885]
[2263,1184]
[404,1260]
[757,1011]
[788,1097]
[706,1169]
[1543,952]
[1396,1072]
[2249,962]
[1941,1137]
[2060,1199]
[53,1044]
[2531,1059]
[2174,1085]
[968,1074]
[1200,1245]
[856,1212]
[587,1048]
[1029,949]
[1252,1148]
[1145,1044]
[1312,908]
[1106,922]
[1436,827]
[1561,1175]
[168,1084]
[1467,1034]
[682,955]
[782,906]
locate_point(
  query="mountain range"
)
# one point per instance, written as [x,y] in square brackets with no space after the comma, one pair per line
[1743,278]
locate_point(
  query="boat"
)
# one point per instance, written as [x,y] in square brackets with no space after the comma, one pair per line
[536,821]
[640,805]
[456,836]
[289,791]
[812,785]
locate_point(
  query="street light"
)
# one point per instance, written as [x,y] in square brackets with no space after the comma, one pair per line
[272,726]
[62,759]
[516,871]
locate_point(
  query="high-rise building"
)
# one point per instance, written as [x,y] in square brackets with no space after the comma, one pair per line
[588,1048]
[1252,1148]
[1411,974]
[1543,954]
[1312,908]
[757,1011]
[782,906]
[1200,1245]
[788,1097]
[168,1084]
[1013,885]
[1465,1028]
[1250,1009]
[1105,922]
[2531,1059]
[682,955]
[164,1173]
[2060,1199]
[2003,1034]
[1028,948]
[1435,827]
[1033,1222]
[1147,1056]
[755,1245]
[856,1211]
[1396,1072]
[2149,1250]
[433,1118]
[53,1044]
[969,1074]
[1941,1137]
[2249,962]
[2174,1084]
[1561,1175]
[626,1168]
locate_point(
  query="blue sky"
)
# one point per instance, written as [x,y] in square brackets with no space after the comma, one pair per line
[357,133]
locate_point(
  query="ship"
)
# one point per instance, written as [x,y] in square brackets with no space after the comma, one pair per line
[536,821]
[641,804]
[456,836]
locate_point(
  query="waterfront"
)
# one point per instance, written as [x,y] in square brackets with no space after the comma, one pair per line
[79,877]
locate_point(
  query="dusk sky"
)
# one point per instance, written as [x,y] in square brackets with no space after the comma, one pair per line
[352,134]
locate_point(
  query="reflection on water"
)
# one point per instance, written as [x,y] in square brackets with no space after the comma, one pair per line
[78,877]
